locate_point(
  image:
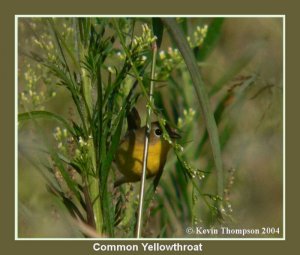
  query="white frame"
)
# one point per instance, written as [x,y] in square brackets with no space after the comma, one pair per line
[146,239]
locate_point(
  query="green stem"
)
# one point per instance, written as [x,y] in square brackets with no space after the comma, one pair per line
[95,197]
[87,94]
[92,178]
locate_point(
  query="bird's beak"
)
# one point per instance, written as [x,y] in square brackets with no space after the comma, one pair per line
[173,133]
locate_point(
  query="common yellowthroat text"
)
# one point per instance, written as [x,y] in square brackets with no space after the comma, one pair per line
[174,247]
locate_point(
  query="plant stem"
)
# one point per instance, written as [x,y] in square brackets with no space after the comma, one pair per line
[146,144]
[95,197]
[87,94]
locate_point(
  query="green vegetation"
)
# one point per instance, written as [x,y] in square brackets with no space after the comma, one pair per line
[79,79]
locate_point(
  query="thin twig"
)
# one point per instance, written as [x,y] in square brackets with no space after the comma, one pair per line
[145,156]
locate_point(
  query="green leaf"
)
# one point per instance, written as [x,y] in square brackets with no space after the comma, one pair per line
[158,30]
[113,149]
[72,185]
[69,204]
[45,115]
[108,210]
[84,28]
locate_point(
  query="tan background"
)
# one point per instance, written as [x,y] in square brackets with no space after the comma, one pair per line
[13,7]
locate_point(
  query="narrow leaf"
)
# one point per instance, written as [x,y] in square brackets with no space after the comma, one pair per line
[45,115]
[158,30]
[201,94]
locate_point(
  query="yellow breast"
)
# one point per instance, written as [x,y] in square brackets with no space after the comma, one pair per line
[129,158]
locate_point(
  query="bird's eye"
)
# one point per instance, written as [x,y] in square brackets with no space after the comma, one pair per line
[158,132]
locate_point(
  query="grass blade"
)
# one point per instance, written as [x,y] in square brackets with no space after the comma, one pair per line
[158,30]
[45,115]
[201,94]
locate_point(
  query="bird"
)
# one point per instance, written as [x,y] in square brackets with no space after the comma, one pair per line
[130,153]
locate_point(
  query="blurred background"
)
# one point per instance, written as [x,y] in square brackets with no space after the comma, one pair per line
[244,78]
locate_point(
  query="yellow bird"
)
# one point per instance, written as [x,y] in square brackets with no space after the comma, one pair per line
[129,157]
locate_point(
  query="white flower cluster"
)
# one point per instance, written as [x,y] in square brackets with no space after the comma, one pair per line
[198,36]
[145,40]
[33,95]
[61,136]
[168,61]
[188,116]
